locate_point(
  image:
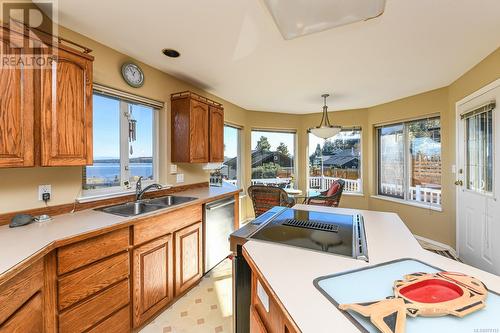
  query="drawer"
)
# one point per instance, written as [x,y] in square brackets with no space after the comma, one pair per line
[16,291]
[83,283]
[160,225]
[117,323]
[87,314]
[73,256]
[29,318]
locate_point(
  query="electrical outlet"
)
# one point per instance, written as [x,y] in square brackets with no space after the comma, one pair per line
[44,189]
[173,169]
[180,178]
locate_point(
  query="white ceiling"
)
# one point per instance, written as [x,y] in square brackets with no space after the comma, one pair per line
[233,49]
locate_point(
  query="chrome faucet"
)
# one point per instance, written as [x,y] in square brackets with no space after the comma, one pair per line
[139,192]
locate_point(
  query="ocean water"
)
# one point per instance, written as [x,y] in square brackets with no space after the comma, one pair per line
[110,171]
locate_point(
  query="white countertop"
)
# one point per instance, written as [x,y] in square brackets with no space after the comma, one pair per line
[290,271]
[19,244]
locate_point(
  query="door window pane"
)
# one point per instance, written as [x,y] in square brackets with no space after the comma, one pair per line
[424,160]
[391,160]
[273,155]
[479,152]
[105,172]
[141,144]
[334,158]
[230,168]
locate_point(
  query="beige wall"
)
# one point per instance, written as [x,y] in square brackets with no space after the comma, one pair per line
[19,186]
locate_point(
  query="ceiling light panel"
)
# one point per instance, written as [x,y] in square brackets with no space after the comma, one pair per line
[296,18]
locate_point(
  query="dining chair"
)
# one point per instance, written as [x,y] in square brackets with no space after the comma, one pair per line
[266,197]
[330,197]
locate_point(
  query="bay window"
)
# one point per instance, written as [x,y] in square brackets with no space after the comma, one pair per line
[231,168]
[338,157]
[273,158]
[409,161]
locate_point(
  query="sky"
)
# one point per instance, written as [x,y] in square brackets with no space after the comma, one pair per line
[107,129]
[230,141]
[275,138]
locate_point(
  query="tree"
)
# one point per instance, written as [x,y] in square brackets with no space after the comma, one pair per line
[329,147]
[316,154]
[283,149]
[263,145]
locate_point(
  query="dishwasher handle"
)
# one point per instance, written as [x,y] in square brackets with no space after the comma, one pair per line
[217,205]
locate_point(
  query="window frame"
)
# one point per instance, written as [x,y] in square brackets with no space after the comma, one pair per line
[295,148]
[406,161]
[239,174]
[122,189]
[360,192]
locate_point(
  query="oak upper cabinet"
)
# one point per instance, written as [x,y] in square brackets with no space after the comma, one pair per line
[66,110]
[188,257]
[153,278]
[16,112]
[192,132]
[216,134]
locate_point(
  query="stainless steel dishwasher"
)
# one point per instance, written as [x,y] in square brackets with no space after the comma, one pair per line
[219,224]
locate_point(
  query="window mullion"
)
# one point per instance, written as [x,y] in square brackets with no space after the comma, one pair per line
[406,169]
[124,145]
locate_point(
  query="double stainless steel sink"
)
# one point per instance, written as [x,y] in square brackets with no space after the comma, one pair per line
[144,206]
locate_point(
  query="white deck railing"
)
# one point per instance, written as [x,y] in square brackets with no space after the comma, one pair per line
[231,181]
[417,193]
[323,183]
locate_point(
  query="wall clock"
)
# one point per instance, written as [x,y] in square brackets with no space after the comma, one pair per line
[133,74]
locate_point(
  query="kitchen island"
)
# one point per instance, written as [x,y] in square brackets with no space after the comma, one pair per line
[287,273]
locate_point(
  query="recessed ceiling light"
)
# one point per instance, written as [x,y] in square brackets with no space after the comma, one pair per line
[171,53]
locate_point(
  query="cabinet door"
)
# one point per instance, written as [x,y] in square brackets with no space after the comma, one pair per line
[66,114]
[188,257]
[198,132]
[153,278]
[17,113]
[28,318]
[256,324]
[216,135]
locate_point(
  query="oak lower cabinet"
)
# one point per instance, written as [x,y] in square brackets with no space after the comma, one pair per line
[188,257]
[93,283]
[22,301]
[266,314]
[153,278]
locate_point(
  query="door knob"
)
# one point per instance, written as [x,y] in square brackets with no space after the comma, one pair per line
[459,183]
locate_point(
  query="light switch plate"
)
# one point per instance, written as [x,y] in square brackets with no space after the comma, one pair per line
[44,189]
[180,178]
[173,169]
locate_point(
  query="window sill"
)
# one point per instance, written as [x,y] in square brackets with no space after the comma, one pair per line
[409,203]
[115,193]
[354,194]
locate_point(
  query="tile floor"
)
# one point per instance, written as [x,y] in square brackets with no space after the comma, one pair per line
[207,308]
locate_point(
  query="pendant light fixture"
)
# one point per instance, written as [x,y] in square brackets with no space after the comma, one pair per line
[325,130]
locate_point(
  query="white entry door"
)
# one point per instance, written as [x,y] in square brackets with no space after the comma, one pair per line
[478,179]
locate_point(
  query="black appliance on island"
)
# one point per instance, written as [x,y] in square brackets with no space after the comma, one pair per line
[336,234]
